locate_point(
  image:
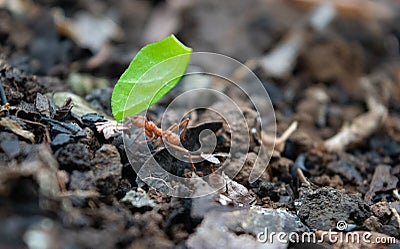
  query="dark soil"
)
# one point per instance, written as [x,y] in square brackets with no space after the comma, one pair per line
[63,185]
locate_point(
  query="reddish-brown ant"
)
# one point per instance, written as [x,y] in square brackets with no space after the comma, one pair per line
[168,136]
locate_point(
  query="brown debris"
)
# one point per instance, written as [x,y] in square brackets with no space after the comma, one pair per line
[382,180]
[322,208]
[381,210]
[312,110]
[41,166]
[355,8]
[243,176]
[104,174]
[348,168]
[281,60]
[334,59]
[325,180]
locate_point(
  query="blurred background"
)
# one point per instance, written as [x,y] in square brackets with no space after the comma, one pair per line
[291,45]
[344,38]
[301,41]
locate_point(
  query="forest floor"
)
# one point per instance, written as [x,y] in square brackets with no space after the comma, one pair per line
[336,72]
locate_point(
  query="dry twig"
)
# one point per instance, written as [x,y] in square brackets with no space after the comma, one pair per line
[280,141]
[302,178]
[363,125]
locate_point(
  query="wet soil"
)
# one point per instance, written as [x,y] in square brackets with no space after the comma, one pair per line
[64,185]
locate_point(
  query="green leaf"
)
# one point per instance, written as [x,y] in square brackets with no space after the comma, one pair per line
[154,71]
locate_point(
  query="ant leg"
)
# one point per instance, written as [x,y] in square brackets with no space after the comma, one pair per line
[136,146]
[184,123]
[143,142]
[147,141]
[183,150]
[173,127]
[132,141]
[191,161]
[138,135]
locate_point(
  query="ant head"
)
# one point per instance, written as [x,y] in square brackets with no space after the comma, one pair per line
[137,120]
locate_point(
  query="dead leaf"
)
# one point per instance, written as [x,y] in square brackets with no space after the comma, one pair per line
[238,193]
[210,157]
[17,129]
[42,105]
[41,166]
[80,106]
[64,110]
[382,180]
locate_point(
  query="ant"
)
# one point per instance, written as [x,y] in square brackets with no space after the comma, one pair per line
[168,136]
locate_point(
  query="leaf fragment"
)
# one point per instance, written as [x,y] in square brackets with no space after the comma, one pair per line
[154,71]
[210,157]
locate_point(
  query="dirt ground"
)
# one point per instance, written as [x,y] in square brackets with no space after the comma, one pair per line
[332,68]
